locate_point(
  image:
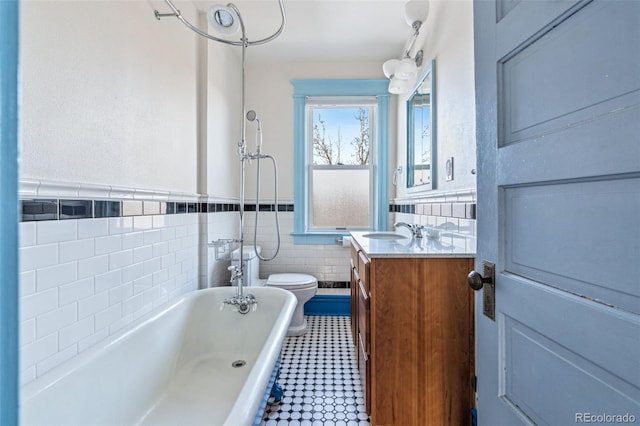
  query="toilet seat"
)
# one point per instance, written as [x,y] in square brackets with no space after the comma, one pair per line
[292,281]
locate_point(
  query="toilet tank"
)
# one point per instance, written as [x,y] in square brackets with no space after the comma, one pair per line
[250,264]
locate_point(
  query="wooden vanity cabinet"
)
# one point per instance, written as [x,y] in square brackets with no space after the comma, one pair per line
[412,322]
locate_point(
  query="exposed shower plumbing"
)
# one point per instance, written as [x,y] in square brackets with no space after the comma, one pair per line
[252,116]
[227,21]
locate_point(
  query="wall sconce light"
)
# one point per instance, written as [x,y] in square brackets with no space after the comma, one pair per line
[402,73]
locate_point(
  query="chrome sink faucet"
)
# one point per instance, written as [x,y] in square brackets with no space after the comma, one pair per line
[416,230]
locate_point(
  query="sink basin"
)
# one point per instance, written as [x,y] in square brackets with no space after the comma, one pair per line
[384,236]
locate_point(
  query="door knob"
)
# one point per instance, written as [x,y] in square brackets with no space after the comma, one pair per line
[476,281]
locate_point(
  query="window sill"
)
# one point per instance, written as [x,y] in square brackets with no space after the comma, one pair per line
[319,238]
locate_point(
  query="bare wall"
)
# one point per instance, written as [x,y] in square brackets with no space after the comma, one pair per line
[108,95]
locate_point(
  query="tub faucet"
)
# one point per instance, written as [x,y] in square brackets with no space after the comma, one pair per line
[241,301]
[416,230]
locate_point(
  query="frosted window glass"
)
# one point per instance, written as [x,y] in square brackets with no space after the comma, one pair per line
[340,198]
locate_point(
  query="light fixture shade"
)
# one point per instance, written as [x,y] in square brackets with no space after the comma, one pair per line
[389,68]
[398,86]
[416,10]
[406,69]
[223,20]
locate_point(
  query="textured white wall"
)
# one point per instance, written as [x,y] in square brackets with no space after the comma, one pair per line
[223,120]
[448,37]
[108,94]
[270,94]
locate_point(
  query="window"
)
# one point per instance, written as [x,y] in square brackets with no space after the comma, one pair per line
[339,136]
[341,158]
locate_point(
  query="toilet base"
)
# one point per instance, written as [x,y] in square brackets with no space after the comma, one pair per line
[297,330]
[298,325]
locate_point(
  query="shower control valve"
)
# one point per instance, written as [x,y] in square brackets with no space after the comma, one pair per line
[242,303]
[235,273]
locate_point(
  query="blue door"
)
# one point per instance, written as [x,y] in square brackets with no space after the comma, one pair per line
[9,212]
[558,134]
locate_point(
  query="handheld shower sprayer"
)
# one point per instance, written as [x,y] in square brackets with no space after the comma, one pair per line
[252,116]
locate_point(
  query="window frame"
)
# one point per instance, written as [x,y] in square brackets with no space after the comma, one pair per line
[340,89]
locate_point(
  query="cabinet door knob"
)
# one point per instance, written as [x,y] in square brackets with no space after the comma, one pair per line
[476,280]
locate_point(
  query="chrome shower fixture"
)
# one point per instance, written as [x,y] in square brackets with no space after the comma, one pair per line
[226,20]
[252,116]
[223,19]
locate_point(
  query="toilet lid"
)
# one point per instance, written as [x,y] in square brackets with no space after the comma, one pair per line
[291,280]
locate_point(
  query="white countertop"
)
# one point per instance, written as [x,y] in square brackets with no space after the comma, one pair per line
[449,245]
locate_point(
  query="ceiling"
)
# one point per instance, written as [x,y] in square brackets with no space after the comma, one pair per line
[323,30]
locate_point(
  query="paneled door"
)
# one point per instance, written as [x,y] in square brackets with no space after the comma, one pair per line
[558,134]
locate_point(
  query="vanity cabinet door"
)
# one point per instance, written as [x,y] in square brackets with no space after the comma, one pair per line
[354,304]
[361,320]
[364,350]
[421,341]
[363,270]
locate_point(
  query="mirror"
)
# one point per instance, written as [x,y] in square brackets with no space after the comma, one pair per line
[421,132]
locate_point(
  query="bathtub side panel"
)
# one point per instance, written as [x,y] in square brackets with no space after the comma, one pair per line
[114,384]
[173,368]
[248,401]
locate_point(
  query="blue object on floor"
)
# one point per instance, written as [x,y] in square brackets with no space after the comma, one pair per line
[474,417]
[268,392]
[276,392]
[328,304]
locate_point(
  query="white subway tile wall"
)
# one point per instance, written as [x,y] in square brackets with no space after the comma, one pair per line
[84,280]
[325,262]
[216,226]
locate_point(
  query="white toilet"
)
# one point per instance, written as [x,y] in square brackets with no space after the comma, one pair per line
[303,286]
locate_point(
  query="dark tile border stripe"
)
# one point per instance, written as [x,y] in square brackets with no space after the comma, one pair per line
[457,210]
[40,209]
[60,209]
[334,284]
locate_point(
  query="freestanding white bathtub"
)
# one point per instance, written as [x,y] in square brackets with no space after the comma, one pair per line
[174,368]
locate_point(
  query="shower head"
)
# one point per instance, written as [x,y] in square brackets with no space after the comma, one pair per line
[223,19]
[251,115]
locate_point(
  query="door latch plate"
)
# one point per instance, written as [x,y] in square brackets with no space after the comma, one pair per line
[489,290]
